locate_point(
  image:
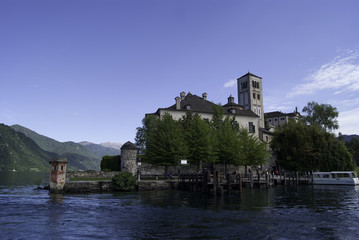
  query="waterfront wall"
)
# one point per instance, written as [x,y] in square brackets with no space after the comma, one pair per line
[88,187]
[91,174]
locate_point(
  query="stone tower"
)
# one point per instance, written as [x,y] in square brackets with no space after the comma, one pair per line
[129,158]
[250,95]
[58,174]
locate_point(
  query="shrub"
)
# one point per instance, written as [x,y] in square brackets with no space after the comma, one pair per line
[111,163]
[124,181]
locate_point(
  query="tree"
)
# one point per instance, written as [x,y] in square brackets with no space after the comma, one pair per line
[198,139]
[165,144]
[353,147]
[228,145]
[301,147]
[322,115]
[252,150]
[148,123]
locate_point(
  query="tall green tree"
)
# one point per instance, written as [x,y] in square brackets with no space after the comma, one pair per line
[165,144]
[253,152]
[198,139]
[353,147]
[301,147]
[228,145]
[322,115]
[148,124]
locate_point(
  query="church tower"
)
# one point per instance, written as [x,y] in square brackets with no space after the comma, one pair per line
[250,95]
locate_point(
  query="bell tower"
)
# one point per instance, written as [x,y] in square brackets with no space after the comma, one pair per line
[58,174]
[250,95]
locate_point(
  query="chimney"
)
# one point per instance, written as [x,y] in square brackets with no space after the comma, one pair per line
[183,95]
[178,103]
[231,99]
[204,96]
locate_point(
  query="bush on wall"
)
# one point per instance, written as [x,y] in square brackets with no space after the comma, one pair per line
[111,163]
[124,181]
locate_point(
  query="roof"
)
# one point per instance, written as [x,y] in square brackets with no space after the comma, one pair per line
[129,145]
[198,104]
[250,74]
[278,114]
[58,160]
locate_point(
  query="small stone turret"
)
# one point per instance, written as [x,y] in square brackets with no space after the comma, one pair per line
[129,158]
[58,174]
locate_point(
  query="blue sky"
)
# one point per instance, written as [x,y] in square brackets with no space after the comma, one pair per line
[90,70]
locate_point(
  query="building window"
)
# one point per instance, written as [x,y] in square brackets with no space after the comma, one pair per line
[187,107]
[254,96]
[259,97]
[269,120]
[251,127]
[206,119]
[62,168]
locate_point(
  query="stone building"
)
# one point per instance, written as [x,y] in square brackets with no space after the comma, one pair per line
[248,113]
[57,174]
[278,118]
[129,158]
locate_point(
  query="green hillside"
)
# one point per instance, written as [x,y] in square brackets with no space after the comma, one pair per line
[20,153]
[82,156]
[100,150]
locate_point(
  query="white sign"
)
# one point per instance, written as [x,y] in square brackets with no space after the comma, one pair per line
[183,162]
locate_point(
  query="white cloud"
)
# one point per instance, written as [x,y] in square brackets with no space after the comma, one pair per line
[348,121]
[341,75]
[230,83]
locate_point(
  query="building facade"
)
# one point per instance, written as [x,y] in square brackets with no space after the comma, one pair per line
[203,107]
[250,95]
[278,118]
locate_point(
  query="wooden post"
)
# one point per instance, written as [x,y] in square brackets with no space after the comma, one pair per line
[285,179]
[240,182]
[251,179]
[297,176]
[215,182]
[267,180]
[229,186]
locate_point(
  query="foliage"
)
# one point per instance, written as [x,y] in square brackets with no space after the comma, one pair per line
[79,156]
[111,163]
[165,144]
[148,123]
[198,139]
[228,144]
[252,150]
[353,147]
[322,115]
[124,181]
[300,147]
[20,152]
[166,141]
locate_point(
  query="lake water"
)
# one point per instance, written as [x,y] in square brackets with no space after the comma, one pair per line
[304,212]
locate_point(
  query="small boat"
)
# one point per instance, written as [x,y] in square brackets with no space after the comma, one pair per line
[336,178]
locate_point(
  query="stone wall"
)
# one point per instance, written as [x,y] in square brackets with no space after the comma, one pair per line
[91,174]
[88,187]
[151,170]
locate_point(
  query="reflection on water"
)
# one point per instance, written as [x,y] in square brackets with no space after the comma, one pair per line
[24,178]
[304,212]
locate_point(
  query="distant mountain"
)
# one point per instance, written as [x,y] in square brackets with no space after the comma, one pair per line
[79,157]
[348,138]
[20,153]
[100,150]
[112,145]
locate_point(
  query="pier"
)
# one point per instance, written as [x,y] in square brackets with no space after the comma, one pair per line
[220,183]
